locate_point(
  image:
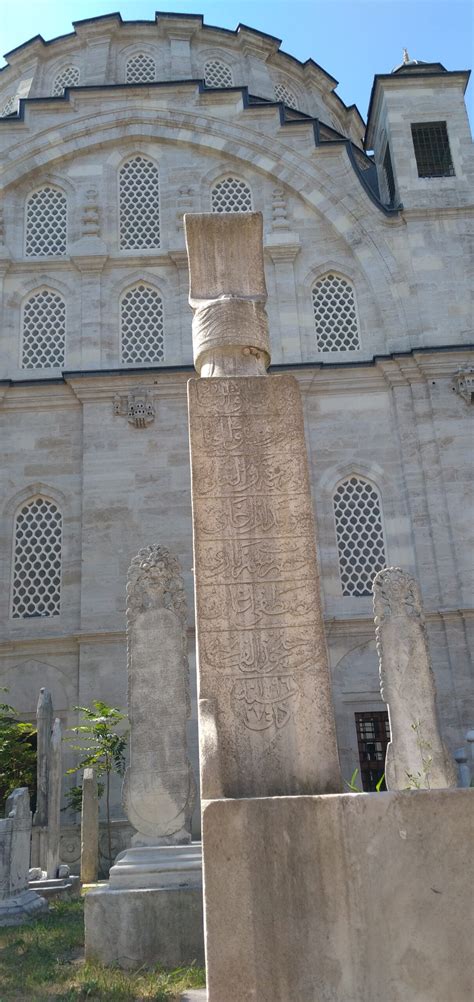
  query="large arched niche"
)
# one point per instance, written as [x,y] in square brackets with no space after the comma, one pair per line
[303,172]
[27,677]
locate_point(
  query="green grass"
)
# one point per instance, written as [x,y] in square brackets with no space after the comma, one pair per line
[45,960]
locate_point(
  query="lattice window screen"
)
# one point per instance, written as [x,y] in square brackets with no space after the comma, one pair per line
[46,223]
[359,533]
[44,331]
[68,77]
[141,324]
[36,589]
[231,195]
[139,204]
[8,107]
[141,68]
[285,94]
[217,74]
[335,314]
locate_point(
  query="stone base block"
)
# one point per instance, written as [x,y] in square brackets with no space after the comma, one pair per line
[136,927]
[21,908]
[360,897]
[56,887]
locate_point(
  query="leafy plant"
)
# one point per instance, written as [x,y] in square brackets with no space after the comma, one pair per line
[103,749]
[17,753]
[352,786]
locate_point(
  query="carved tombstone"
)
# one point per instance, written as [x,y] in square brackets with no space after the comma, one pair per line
[416,755]
[89,828]
[159,789]
[54,800]
[17,902]
[44,720]
[266,720]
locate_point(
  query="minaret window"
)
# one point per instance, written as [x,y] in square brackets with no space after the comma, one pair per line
[432,152]
[388,172]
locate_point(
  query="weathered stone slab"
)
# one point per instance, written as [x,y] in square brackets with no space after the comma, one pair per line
[89,827]
[416,755]
[159,787]
[44,724]
[54,800]
[340,898]
[17,902]
[262,654]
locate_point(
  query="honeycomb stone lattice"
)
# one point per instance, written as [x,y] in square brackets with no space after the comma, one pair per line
[67,77]
[141,68]
[141,323]
[231,195]
[139,204]
[8,107]
[217,74]
[335,314]
[359,534]
[44,331]
[46,223]
[285,94]
[37,562]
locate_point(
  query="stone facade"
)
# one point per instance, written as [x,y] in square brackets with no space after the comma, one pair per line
[368,305]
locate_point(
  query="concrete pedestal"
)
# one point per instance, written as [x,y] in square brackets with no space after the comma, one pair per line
[151,910]
[360,897]
[21,907]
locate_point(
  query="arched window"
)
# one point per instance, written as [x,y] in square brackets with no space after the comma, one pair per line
[43,330]
[67,77]
[231,195]
[141,68]
[335,314]
[217,74]
[287,95]
[139,196]
[141,326]
[46,223]
[359,533]
[36,586]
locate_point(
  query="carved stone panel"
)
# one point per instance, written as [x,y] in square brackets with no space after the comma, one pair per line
[137,406]
[266,716]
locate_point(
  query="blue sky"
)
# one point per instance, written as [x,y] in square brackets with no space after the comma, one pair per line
[351,39]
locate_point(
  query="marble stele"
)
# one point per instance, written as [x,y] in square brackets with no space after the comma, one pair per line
[265,710]
[17,902]
[416,755]
[89,827]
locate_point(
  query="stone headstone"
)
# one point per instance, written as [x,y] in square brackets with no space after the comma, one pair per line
[44,724]
[54,800]
[159,789]
[266,718]
[416,755]
[464,769]
[17,902]
[89,828]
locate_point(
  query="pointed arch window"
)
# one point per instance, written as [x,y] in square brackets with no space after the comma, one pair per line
[141,68]
[141,326]
[8,107]
[139,196]
[36,584]
[67,77]
[43,330]
[231,195]
[46,223]
[359,534]
[335,314]
[217,74]
[287,95]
